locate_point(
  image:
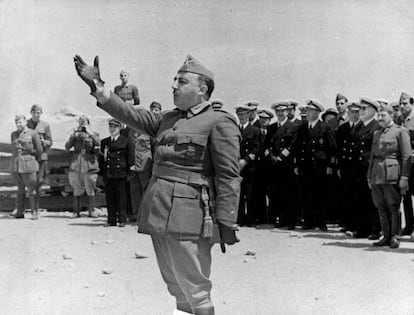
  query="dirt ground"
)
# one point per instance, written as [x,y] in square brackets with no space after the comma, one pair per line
[57,265]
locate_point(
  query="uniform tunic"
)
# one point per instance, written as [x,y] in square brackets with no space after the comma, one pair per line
[84,165]
[390,159]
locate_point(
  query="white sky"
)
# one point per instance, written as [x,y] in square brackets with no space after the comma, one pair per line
[262,50]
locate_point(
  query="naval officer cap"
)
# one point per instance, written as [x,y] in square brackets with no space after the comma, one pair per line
[282,105]
[264,113]
[365,101]
[314,104]
[243,109]
[194,66]
[293,104]
[329,111]
[115,122]
[387,108]
[354,106]
[252,104]
[382,102]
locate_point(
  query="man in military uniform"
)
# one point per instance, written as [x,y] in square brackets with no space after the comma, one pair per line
[277,151]
[195,177]
[140,165]
[43,129]
[397,111]
[407,120]
[261,187]
[365,220]
[155,107]
[292,112]
[26,154]
[388,172]
[314,152]
[249,150]
[340,103]
[127,92]
[253,118]
[114,152]
[346,149]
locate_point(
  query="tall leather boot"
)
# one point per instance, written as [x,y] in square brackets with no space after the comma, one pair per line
[91,207]
[32,202]
[20,205]
[204,311]
[395,227]
[76,206]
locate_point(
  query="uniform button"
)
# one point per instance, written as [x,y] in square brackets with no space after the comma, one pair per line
[343,156]
[350,158]
[117,166]
[360,158]
[169,144]
[362,151]
[350,150]
[107,166]
[174,128]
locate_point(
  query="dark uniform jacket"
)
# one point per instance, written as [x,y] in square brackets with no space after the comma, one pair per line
[314,150]
[363,139]
[114,157]
[346,147]
[279,143]
[192,150]
[249,145]
[43,129]
[390,155]
[26,151]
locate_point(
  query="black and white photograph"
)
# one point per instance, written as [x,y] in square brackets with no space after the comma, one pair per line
[206,157]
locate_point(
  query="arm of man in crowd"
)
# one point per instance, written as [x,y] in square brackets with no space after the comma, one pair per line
[47,139]
[371,158]
[37,143]
[225,154]
[136,95]
[405,148]
[330,150]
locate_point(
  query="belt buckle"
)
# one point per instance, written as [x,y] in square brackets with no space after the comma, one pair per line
[19,151]
[83,151]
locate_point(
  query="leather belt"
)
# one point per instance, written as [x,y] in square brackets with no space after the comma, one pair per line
[180,176]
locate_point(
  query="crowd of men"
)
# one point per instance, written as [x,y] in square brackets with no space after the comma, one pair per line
[348,165]
[308,169]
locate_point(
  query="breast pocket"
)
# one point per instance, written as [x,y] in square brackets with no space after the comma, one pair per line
[186,217]
[191,147]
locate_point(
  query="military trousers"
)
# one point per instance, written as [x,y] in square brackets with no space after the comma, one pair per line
[281,196]
[24,180]
[116,199]
[82,182]
[246,214]
[408,205]
[387,199]
[185,266]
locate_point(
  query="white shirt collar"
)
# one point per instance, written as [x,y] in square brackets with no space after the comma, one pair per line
[368,121]
[313,123]
[114,138]
[245,125]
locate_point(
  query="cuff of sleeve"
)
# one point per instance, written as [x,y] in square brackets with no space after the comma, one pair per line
[405,177]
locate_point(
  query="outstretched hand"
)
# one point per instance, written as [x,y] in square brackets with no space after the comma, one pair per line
[89,74]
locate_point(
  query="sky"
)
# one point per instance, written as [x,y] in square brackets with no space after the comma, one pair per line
[262,50]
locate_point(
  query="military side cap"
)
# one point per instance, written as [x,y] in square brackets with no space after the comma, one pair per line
[280,105]
[387,108]
[113,121]
[194,66]
[353,105]
[339,96]
[243,108]
[293,104]
[365,101]
[252,104]
[18,117]
[405,96]
[217,103]
[314,104]
[382,102]
[36,107]
[264,113]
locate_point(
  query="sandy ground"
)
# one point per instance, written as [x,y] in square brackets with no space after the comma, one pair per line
[55,266]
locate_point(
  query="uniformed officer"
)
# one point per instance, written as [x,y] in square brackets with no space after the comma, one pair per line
[127,92]
[365,220]
[292,112]
[84,166]
[261,187]
[329,115]
[249,150]
[396,116]
[340,104]
[388,172]
[277,151]
[407,120]
[196,166]
[43,129]
[253,118]
[26,154]
[314,151]
[346,161]
[114,152]
[155,107]
[140,165]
